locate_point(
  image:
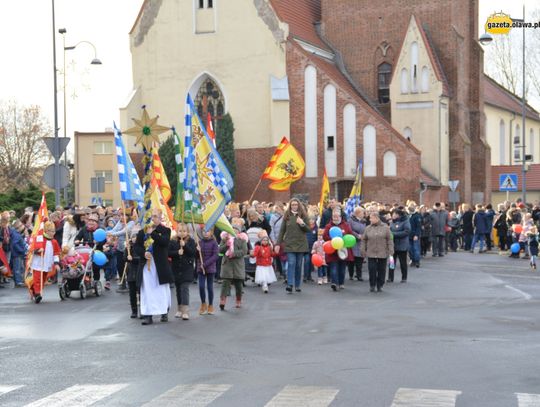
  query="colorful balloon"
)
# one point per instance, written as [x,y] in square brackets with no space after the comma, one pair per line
[518,228]
[328,249]
[515,248]
[99,258]
[338,243]
[335,232]
[317,260]
[349,240]
[100,235]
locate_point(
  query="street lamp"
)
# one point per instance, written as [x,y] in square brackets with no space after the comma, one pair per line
[95,61]
[486,39]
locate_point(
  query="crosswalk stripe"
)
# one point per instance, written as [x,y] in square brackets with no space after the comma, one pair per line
[7,389]
[189,395]
[528,400]
[303,396]
[425,398]
[78,395]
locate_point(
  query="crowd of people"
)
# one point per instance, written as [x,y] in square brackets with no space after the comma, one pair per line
[290,241]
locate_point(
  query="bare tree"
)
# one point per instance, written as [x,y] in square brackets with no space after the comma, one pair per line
[503,59]
[23,154]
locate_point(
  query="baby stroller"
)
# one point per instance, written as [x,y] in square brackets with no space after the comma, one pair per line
[79,276]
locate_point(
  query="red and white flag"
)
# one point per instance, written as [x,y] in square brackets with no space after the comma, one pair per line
[210,128]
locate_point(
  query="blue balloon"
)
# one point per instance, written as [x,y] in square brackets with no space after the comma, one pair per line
[100,235]
[99,258]
[515,248]
[335,232]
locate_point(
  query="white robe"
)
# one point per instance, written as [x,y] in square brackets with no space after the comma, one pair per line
[155,297]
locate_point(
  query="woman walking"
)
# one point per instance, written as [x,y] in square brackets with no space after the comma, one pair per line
[357,222]
[292,236]
[377,246]
[337,261]
[210,255]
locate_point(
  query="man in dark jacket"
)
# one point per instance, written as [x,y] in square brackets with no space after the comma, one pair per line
[467,226]
[439,218]
[326,216]
[154,269]
[401,230]
[481,228]
[415,235]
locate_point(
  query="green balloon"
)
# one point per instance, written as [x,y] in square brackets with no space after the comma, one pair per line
[349,240]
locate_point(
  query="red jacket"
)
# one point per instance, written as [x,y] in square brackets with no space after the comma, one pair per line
[263,255]
[346,230]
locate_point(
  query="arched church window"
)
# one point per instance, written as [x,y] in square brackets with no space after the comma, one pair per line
[384,72]
[209,99]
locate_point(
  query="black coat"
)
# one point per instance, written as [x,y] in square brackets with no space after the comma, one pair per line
[160,251]
[467,222]
[183,267]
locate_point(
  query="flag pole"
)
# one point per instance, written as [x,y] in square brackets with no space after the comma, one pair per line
[127,241]
[197,242]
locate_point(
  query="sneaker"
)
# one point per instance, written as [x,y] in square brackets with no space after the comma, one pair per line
[178,314]
[319,281]
[334,287]
[203,309]
[185,316]
[341,287]
[210,310]
[289,288]
[325,280]
[298,290]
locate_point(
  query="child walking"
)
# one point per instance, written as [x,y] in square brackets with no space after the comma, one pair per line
[318,249]
[210,254]
[533,246]
[182,251]
[263,254]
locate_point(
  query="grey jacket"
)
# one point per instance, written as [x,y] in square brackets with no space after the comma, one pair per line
[235,266]
[358,227]
[377,241]
[439,220]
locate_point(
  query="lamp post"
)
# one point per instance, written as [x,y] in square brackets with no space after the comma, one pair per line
[95,61]
[486,39]
[55,152]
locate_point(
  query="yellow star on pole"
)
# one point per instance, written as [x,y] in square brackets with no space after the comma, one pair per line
[146,130]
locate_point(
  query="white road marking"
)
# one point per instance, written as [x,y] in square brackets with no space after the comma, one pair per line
[522,293]
[78,395]
[7,389]
[303,396]
[189,395]
[425,398]
[528,400]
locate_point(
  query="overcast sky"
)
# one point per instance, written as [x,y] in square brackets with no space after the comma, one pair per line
[94,93]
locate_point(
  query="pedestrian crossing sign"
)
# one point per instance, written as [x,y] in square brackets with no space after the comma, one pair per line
[508,182]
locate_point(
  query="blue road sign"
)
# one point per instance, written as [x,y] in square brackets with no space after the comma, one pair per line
[508,182]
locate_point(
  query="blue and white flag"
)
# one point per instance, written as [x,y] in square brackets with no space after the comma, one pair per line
[355,198]
[207,182]
[130,184]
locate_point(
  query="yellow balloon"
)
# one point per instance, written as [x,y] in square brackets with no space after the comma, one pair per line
[338,243]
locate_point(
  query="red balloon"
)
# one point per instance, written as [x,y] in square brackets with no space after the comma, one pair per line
[328,248]
[518,228]
[317,260]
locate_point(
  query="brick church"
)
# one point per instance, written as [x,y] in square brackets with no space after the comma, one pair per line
[396,84]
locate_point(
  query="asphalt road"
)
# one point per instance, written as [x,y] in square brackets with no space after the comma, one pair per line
[464,331]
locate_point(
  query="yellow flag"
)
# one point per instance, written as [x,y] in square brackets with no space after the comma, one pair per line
[160,177]
[285,166]
[325,192]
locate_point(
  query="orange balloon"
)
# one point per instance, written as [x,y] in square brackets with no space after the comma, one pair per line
[317,260]
[328,248]
[518,228]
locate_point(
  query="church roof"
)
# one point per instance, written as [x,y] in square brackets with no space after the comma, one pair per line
[301,16]
[498,96]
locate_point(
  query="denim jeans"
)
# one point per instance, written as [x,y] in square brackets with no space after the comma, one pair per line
[414,250]
[478,237]
[337,272]
[321,271]
[294,269]
[206,281]
[18,269]
[308,266]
